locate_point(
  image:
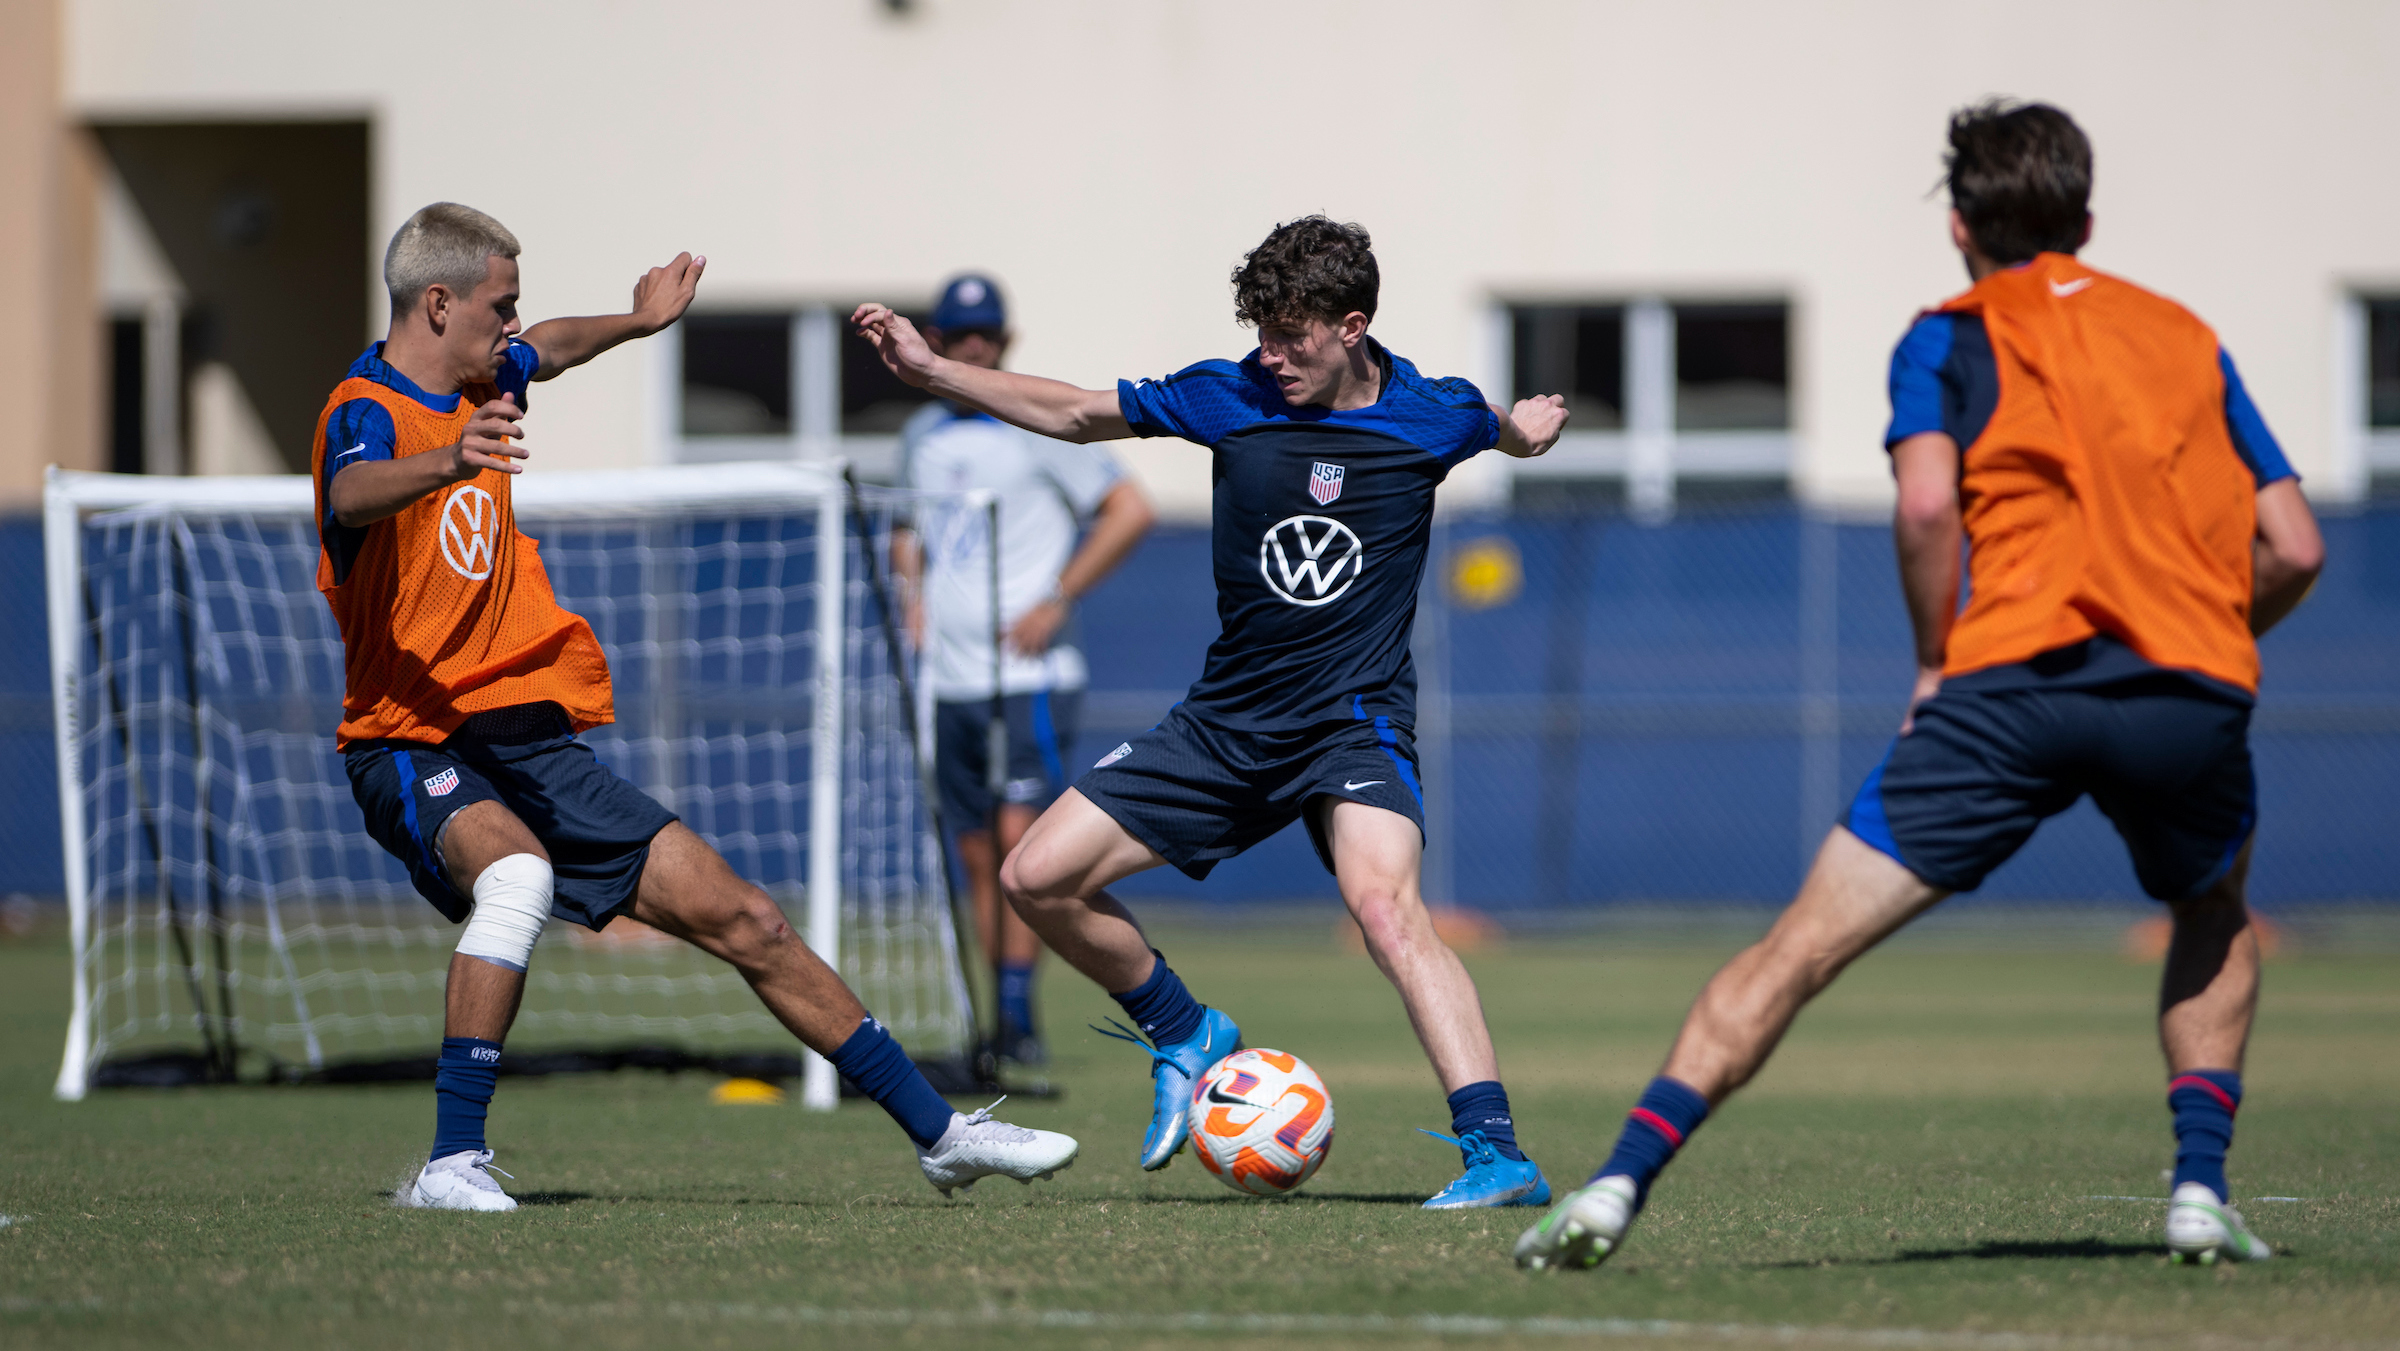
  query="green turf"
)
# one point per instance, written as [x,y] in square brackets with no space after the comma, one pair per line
[1919,1156]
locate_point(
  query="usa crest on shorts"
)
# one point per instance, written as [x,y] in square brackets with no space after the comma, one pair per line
[1324,482]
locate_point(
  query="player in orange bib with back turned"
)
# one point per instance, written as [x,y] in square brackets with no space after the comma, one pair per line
[465,687]
[2132,527]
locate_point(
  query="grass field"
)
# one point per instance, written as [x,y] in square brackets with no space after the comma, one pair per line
[1931,1155]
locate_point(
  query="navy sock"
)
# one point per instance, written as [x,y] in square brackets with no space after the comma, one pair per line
[462,1093]
[872,1060]
[2204,1102]
[1161,1007]
[1484,1107]
[1669,1111]
[1016,996]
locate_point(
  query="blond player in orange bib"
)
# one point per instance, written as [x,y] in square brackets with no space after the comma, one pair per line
[466,684]
[2131,528]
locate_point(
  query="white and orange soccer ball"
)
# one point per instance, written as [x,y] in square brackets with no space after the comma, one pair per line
[1261,1121]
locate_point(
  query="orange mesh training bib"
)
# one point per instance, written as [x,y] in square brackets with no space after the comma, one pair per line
[2105,495]
[447,612]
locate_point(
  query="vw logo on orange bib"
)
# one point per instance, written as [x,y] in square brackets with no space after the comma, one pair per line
[1310,560]
[470,529]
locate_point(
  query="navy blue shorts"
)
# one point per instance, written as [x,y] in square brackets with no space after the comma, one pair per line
[596,827]
[1198,794]
[1041,735]
[2167,762]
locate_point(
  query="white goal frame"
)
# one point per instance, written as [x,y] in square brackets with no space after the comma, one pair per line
[69,497]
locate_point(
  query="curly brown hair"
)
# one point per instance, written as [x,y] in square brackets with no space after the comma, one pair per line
[1310,268]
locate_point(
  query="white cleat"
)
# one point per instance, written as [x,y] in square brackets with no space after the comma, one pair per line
[461,1181]
[979,1146]
[2203,1229]
[1583,1229]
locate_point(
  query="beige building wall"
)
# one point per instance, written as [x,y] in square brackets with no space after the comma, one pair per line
[1111,162]
[50,336]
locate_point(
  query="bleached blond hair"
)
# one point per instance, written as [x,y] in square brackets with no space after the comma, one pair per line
[445,243]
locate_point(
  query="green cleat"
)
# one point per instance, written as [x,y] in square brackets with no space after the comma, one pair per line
[2204,1230]
[1582,1230]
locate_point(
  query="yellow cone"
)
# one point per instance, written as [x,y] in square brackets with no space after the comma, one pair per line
[751,1091]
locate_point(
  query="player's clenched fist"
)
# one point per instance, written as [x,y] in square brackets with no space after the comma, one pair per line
[1539,420]
[897,341]
[490,440]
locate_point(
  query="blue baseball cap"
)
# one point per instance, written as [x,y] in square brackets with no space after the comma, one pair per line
[970,301]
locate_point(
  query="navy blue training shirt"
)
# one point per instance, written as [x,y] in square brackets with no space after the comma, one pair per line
[1320,524]
[361,430]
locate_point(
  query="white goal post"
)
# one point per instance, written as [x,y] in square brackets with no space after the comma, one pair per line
[228,912]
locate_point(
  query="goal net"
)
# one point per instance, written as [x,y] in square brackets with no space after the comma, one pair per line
[232,919]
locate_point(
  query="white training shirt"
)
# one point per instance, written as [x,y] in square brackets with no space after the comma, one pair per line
[1047,491]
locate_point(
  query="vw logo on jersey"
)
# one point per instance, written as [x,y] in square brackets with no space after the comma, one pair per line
[470,532]
[1310,560]
[1324,482]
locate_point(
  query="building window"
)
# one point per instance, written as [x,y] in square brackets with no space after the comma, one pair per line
[737,375]
[1575,350]
[1732,368]
[1660,393]
[787,384]
[2383,364]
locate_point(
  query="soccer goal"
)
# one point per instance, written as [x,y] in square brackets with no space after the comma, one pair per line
[231,920]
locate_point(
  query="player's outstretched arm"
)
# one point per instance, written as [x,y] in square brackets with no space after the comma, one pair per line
[1533,426]
[1046,407]
[1927,529]
[659,299]
[2286,556]
[368,492]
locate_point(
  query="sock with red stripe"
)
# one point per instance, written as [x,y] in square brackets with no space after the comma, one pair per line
[1670,1110]
[2204,1102]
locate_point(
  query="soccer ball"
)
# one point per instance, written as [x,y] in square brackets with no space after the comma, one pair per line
[1261,1122]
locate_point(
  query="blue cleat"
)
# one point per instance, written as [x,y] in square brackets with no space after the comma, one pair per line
[1491,1179]
[1173,1071]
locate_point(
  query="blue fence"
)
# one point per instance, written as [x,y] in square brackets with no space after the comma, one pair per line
[1623,713]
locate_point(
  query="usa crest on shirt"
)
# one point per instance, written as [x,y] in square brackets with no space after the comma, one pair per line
[1324,482]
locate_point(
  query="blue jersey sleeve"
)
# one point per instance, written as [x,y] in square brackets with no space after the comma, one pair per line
[1205,403]
[1448,417]
[1944,379]
[2251,439]
[517,370]
[358,431]
[1917,379]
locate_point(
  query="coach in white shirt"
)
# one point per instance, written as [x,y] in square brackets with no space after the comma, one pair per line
[1048,491]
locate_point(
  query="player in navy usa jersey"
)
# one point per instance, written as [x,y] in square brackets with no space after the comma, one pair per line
[1328,450]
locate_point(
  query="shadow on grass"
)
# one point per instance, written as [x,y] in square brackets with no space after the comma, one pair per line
[1231,1198]
[551,1198]
[2083,1249]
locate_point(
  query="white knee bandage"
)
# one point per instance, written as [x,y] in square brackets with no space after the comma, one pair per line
[512,903]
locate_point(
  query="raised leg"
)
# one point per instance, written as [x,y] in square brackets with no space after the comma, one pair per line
[690,891]
[1855,896]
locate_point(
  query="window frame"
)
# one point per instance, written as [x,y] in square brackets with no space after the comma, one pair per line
[816,393]
[1650,454]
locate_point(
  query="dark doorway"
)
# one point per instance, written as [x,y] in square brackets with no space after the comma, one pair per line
[265,223]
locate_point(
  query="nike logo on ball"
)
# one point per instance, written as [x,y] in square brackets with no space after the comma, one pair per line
[1216,1094]
[1354,787]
